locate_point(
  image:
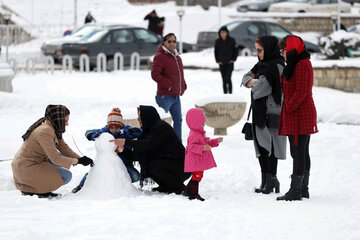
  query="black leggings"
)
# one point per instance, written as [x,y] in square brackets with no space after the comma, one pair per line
[267,163]
[300,154]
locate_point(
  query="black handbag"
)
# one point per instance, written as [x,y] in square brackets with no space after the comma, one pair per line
[247,129]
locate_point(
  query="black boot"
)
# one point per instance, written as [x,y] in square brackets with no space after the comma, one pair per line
[271,183]
[47,195]
[76,189]
[305,186]
[294,192]
[263,182]
[194,191]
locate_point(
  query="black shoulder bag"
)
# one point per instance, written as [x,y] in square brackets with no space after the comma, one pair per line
[247,129]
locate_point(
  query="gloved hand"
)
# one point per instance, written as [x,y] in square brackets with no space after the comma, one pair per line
[85,161]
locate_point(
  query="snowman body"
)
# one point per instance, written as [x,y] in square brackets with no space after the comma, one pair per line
[108,178]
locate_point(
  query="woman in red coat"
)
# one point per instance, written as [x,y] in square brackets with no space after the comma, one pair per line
[298,113]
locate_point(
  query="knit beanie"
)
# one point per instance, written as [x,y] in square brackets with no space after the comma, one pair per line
[115,119]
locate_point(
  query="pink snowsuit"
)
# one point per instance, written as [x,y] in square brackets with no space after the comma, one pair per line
[195,158]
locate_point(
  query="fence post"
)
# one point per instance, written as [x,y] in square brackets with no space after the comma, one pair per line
[101,62]
[118,61]
[13,65]
[135,57]
[84,59]
[32,62]
[49,60]
[245,52]
[67,61]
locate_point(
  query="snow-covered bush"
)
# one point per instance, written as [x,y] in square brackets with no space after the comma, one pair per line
[337,44]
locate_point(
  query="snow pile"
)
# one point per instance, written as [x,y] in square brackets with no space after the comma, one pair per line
[109,177]
[337,44]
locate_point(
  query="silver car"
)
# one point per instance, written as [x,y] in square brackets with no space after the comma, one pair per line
[53,47]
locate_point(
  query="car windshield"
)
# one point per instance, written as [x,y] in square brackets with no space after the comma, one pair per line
[84,30]
[96,35]
[86,37]
[299,1]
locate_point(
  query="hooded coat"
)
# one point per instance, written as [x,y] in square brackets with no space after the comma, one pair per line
[298,113]
[225,50]
[168,71]
[31,170]
[196,159]
[162,150]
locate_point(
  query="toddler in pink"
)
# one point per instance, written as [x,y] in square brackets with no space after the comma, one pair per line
[198,155]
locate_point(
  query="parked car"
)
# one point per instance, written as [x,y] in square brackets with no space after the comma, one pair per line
[301,6]
[256,5]
[53,47]
[245,32]
[125,39]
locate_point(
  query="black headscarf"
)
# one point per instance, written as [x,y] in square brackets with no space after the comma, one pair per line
[295,51]
[268,66]
[56,115]
[149,116]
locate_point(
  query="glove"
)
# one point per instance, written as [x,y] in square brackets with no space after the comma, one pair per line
[85,161]
[134,132]
[88,134]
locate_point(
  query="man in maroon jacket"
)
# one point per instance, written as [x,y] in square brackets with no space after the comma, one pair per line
[167,70]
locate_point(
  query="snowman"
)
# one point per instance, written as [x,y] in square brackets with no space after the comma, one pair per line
[109,177]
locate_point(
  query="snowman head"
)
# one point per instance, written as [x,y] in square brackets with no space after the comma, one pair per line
[102,143]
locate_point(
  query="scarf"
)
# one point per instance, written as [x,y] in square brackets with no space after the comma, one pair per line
[56,115]
[295,51]
[268,68]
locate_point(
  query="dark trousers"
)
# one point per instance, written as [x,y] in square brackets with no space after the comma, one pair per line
[300,154]
[226,71]
[267,163]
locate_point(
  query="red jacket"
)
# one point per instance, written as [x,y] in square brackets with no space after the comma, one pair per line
[167,70]
[298,113]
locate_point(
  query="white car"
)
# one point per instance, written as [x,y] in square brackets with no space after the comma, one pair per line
[302,6]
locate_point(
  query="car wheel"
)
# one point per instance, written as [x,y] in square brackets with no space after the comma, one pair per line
[301,11]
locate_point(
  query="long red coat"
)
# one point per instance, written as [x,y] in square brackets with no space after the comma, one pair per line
[298,113]
[167,70]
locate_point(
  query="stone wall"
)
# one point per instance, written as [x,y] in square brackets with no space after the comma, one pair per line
[322,24]
[340,78]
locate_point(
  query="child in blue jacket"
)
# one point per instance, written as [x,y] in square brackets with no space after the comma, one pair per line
[116,127]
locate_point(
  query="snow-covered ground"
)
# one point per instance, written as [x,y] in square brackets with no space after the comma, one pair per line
[231,210]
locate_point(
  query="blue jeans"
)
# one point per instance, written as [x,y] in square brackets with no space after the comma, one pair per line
[134,175]
[66,175]
[172,103]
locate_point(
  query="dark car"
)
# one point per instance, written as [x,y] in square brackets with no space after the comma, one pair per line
[256,5]
[245,32]
[125,39]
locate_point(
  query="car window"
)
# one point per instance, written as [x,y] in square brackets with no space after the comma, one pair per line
[86,37]
[277,31]
[145,36]
[256,29]
[122,36]
[97,36]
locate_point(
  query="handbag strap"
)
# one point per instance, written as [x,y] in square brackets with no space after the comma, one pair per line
[249,112]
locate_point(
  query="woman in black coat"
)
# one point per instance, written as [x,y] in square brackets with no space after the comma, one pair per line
[161,152]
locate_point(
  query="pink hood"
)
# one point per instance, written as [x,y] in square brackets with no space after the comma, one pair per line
[195,118]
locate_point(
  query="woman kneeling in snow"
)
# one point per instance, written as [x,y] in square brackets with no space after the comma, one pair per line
[160,152]
[38,167]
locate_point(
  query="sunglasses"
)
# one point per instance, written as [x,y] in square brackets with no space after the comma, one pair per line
[169,41]
[259,50]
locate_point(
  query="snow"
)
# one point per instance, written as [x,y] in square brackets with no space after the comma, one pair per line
[232,210]
[108,178]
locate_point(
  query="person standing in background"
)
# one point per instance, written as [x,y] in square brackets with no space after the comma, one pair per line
[156,23]
[167,70]
[226,53]
[89,18]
